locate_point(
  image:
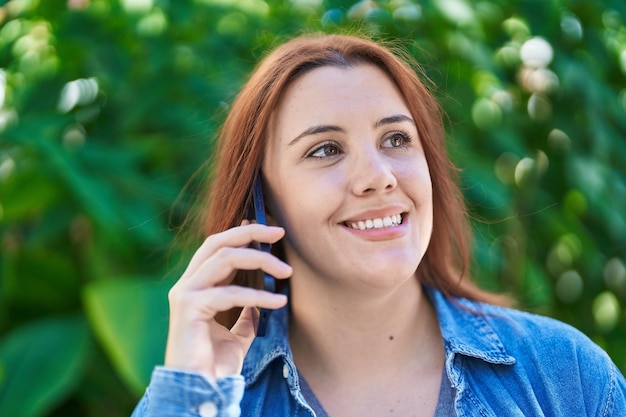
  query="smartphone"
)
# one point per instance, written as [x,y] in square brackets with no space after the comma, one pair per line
[269,282]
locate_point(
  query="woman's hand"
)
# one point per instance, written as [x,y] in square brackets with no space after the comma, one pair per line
[196,342]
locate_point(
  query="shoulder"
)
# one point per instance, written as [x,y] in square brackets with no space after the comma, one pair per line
[558,358]
[507,359]
[481,327]
[528,331]
[544,340]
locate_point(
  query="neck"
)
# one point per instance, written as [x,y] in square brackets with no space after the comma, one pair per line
[344,336]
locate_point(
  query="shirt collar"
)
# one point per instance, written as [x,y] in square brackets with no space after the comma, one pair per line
[466,330]
[464,325]
[266,349]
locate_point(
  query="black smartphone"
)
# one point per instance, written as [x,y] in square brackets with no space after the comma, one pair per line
[269,282]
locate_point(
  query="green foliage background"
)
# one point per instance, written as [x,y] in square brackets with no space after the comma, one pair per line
[107,108]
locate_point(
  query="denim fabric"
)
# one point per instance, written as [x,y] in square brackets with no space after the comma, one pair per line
[501,362]
[505,362]
[174,393]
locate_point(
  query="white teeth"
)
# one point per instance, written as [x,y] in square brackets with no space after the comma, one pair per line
[378,223]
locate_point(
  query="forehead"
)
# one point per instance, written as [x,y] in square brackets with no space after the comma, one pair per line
[334,82]
[333,92]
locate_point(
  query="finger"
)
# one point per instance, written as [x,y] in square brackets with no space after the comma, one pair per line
[240,236]
[234,296]
[245,326]
[202,306]
[220,267]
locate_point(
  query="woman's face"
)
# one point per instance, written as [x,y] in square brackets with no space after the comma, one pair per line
[347,178]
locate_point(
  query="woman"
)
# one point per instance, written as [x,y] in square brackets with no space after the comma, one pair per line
[378,316]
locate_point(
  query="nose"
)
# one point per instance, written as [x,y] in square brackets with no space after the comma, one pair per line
[372,173]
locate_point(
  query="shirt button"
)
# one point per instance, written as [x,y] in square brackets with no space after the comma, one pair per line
[207,409]
[285,371]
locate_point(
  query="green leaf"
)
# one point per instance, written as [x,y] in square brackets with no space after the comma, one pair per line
[31,194]
[40,364]
[130,318]
[537,286]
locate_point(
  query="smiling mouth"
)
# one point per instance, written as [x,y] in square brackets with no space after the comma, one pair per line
[377,223]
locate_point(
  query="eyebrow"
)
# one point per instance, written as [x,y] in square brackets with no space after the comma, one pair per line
[313,130]
[398,118]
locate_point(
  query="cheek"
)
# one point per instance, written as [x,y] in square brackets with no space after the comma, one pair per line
[275,212]
[302,205]
[416,177]
[290,216]
[308,193]
[283,205]
[418,187]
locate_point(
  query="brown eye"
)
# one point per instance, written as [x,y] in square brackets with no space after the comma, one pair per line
[324,151]
[397,140]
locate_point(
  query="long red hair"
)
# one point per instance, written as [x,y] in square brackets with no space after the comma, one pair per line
[242,141]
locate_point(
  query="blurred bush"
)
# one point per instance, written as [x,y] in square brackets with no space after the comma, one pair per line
[107,108]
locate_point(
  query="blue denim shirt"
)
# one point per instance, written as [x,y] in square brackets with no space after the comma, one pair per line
[501,362]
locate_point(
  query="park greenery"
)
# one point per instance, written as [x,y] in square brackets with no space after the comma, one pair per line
[109,108]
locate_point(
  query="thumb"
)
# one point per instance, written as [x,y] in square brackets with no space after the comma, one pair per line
[246,324]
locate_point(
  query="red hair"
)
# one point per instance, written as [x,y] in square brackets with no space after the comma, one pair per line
[242,142]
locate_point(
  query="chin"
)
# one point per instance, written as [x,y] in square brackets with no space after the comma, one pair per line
[390,276]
